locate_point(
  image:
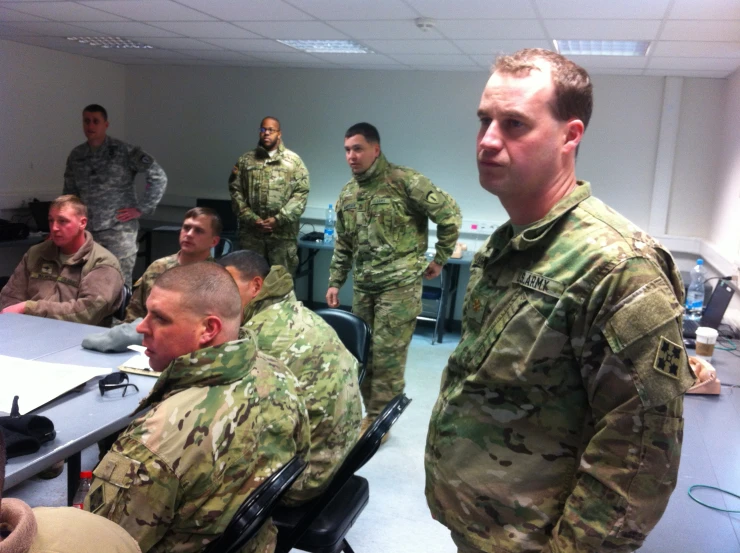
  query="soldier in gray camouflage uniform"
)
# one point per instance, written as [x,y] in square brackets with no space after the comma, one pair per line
[101,172]
[382,225]
[311,349]
[269,188]
[221,418]
[559,422]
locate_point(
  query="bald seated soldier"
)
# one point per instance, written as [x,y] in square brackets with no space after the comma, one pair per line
[311,349]
[201,230]
[69,277]
[221,418]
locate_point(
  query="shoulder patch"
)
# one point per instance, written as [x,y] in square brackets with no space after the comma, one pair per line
[145,159]
[432,198]
[668,358]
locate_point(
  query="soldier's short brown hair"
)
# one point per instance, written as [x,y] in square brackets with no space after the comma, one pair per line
[217,226]
[370,132]
[70,200]
[96,108]
[573,89]
[249,264]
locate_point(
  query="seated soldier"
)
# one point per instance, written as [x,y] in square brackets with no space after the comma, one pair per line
[311,349]
[68,277]
[200,231]
[222,417]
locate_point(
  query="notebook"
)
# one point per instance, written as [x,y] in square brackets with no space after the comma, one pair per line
[713,312]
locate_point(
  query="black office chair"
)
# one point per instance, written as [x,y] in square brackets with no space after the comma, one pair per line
[223,247]
[320,526]
[126,294]
[353,332]
[256,509]
[434,293]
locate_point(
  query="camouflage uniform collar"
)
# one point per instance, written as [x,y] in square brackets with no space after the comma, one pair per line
[504,235]
[204,368]
[374,171]
[103,146]
[261,153]
[80,256]
[278,287]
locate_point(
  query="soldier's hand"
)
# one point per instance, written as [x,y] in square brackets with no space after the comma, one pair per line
[269,224]
[19,308]
[433,270]
[332,297]
[128,214]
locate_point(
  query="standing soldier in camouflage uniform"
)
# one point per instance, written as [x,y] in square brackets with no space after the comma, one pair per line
[222,417]
[269,188]
[200,231]
[311,349]
[382,225]
[559,422]
[101,172]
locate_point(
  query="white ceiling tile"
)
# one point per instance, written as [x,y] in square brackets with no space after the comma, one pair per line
[149,10]
[180,44]
[484,60]
[65,11]
[412,46]
[294,57]
[356,59]
[54,43]
[251,45]
[297,30]
[448,68]
[394,67]
[10,31]
[248,10]
[216,54]
[687,73]
[494,47]
[594,9]
[491,28]
[14,15]
[474,9]
[50,28]
[613,71]
[603,29]
[611,62]
[436,59]
[128,29]
[705,9]
[379,30]
[684,49]
[723,31]
[700,64]
[353,10]
[206,29]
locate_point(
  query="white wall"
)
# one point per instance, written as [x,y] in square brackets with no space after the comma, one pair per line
[42,93]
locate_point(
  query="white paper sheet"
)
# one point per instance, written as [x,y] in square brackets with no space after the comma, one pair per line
[36,382]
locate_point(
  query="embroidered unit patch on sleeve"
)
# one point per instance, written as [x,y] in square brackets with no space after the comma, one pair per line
[668,358]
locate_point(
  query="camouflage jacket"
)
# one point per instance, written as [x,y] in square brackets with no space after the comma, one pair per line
[85,289]
[326,372]
[221,420]
[558,426]
[382,225]
[143,287]
[104,180]
[262,186]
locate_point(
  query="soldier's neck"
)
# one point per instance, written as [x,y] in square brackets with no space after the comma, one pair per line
[188,258]
[95,143]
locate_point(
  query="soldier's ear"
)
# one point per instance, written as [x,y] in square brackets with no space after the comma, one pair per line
[211,328]
[83,223]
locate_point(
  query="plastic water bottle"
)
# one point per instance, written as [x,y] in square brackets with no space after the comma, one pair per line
[695,297]
[84,487]
[329,225]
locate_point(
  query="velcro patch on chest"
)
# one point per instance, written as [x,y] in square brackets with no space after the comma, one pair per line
[380,201]
[47,269]
[669,358]
[540,283]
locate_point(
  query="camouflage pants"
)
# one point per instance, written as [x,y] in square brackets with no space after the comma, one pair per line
[392,318]
[123,245]
[277,251]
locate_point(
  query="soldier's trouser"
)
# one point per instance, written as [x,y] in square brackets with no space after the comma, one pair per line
[392,318]
[123,245]
[277,251]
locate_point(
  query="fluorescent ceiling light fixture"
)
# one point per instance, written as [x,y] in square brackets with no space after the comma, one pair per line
[327,46]
[109,42]
[602,47]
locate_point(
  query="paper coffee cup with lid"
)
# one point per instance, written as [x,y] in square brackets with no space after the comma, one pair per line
[706,338]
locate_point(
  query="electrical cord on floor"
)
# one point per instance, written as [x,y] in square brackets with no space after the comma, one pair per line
[704,486]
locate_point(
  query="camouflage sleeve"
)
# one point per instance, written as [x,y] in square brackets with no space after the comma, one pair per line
[156,179]
[635,372]
[98,296]
[442,209]
[295,206]
[341,259]
[135,489]
[239,202]
[70,185]
[137,306]
[16,289]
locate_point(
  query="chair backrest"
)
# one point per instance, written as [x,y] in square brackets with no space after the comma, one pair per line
[126,294]
[223,247]
[360,454]
[256,509]
[353,332]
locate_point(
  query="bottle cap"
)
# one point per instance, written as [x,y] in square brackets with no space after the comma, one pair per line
[86,474]
[700,261]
